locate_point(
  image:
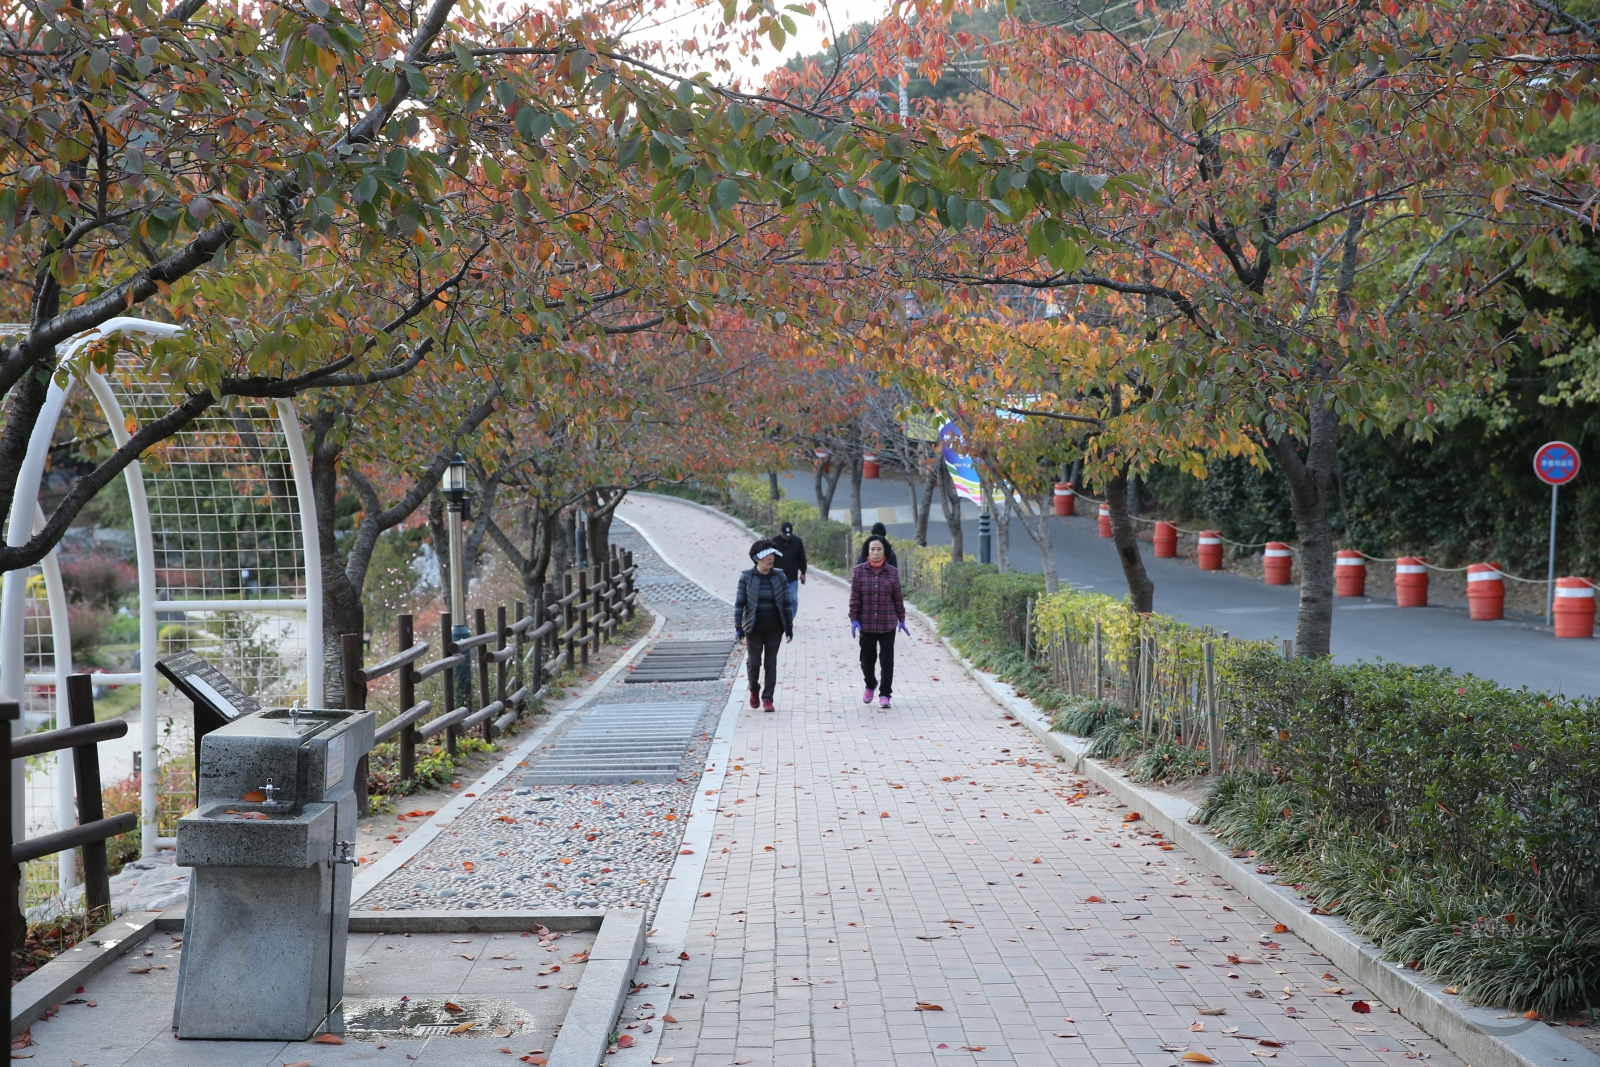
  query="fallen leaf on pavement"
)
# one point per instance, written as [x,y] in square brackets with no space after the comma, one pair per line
[1197,1057]
[1336,990]
[452,1007]
[502,1031]
[1213,1011]
[973,1048]
[668,1019]
[139,968]
[1197,1027]
[662,1059]
[923,1005]
[625,1041]
[1263,1054]
[839,1005]
[328,1039]
[1361,1007]
[463,1027]
[299,1063]
[568,985]
[1134,816]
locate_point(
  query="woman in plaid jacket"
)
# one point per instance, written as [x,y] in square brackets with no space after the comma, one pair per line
[876,609]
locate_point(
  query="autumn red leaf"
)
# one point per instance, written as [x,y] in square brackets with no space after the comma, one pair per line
[1361,1007]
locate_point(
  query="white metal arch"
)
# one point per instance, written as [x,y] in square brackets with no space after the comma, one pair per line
[25,507]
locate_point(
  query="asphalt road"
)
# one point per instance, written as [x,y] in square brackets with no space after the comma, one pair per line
[1513,651]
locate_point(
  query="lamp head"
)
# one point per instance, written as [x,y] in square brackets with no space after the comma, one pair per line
[454,484]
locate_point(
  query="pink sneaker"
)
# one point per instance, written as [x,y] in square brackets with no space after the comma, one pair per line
[883,701]
[866,696]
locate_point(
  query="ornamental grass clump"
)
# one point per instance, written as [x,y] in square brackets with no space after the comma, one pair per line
[1454,822]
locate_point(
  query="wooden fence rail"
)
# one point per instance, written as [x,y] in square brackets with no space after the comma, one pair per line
[1167,684]
[515,661]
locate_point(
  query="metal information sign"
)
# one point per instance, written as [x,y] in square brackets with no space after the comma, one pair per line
[207,687]
[1556,464]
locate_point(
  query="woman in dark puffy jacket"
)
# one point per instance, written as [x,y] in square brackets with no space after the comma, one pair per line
[762,615]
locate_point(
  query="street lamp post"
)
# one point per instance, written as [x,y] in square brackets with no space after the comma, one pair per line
[984,540]
[455,495]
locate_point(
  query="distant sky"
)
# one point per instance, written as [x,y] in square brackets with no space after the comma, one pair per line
[680,20]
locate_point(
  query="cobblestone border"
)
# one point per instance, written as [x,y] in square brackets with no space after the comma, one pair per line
[1478,1035]
[368,878]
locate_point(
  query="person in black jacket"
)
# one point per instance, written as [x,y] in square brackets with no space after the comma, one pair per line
[878,533]
[792,563]
[761,616]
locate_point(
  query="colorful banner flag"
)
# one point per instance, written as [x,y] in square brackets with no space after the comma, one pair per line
[962,472]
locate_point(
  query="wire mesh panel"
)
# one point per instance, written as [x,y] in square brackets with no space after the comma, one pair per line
[229,562]
[43,782]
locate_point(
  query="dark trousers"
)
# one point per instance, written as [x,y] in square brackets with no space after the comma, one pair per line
[876,650]
[763,641]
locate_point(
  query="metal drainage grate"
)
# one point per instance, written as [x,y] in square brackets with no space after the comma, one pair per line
[683,661]
[621,743]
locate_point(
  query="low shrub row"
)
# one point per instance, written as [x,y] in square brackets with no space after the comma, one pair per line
[1453,821]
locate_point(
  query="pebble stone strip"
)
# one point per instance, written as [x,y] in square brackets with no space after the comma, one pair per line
[585,846]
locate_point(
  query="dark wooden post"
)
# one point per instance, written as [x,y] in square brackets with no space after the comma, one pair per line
[10,903]
[627,583]
[522,649]
[447,642]
[583,616]
[499,667]
[404,638]
[567,612]
[480,621]
[91,801]
[355,699]
[540,614]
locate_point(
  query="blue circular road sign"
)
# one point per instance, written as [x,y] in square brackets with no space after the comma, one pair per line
[1556,463]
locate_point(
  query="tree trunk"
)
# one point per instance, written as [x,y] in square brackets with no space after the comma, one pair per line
[855,491]
[439,534]
[1135,497]
[772,485]
[1141,590]
[1308,501]
[924,511]
[825,477]
[950,501]
[341,601]
[1037,525]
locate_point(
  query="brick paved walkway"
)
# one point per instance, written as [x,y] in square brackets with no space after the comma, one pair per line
[868,861]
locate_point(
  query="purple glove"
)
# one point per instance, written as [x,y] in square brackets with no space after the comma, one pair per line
[855,628]
[903,628]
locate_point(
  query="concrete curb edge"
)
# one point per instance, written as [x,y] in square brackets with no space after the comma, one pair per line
[51,984]
[1475,1034]
[607,978]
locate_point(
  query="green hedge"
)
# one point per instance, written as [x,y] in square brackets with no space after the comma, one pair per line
[993,604]
[1455,822]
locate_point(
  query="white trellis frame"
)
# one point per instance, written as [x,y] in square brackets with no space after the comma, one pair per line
[26,516]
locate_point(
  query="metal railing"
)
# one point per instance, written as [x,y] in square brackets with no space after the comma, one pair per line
[515,660]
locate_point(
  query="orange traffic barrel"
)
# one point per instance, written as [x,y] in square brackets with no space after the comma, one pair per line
[1277,561]
[1410,582]
[869,465]
[1574,607]
[1105,520]
[1210,550]
[1486,592]
[1166,540]
[1066,499]
[1350,573]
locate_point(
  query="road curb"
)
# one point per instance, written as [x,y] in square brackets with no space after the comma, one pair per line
[1478,1035]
